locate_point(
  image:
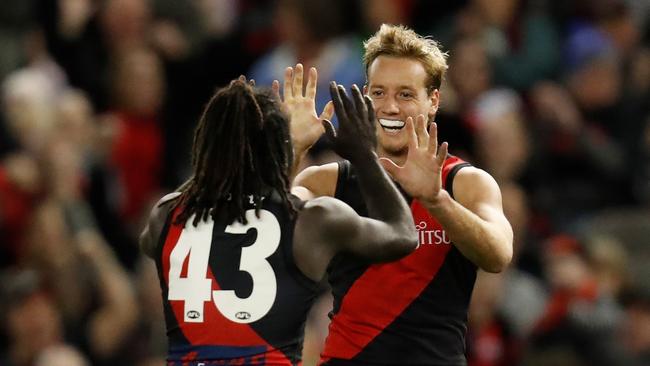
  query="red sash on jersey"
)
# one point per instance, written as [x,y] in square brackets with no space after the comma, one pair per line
[383,291]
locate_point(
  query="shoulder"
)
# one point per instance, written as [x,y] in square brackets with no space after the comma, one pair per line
[327,215]
[160,210]
[472,176]
[326,207]
[167,198]
[316,181]
[157,218]
[473,184]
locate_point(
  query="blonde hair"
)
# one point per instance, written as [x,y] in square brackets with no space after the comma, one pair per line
[400,41]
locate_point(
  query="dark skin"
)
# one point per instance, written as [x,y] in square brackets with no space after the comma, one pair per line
[326,226]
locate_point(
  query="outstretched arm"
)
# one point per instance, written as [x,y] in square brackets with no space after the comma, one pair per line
[474,220]
[356,141]
[306,125]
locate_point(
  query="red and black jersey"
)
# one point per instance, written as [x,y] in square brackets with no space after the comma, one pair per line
[408,312]
[232,293]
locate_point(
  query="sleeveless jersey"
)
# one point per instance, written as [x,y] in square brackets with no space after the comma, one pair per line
[232,293]
[409,312]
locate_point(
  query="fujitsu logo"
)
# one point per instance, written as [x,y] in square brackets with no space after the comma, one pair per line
[430,237]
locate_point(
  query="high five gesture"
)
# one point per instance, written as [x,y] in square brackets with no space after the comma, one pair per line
[306,125]
[421,174]
[356,138]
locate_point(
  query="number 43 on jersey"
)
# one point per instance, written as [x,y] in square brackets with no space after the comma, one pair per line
[196,288]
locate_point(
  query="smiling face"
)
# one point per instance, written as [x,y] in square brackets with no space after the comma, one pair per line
[397,86]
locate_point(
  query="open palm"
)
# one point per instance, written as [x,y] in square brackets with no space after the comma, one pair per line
[306,125]
[421,174]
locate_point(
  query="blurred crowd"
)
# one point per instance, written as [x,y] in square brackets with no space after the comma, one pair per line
[99,99]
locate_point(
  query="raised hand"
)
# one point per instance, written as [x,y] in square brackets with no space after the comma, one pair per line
[421,174]
[306,125]
[356,138]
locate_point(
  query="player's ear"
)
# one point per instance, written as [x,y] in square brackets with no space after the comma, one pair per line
[434,98]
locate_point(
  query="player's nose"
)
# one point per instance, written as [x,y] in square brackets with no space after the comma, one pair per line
[390,106]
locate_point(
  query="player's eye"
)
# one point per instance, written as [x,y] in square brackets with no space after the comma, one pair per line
[376,93]
[406,95]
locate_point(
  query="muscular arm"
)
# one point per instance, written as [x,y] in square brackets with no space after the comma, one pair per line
[474,220]
[327,226]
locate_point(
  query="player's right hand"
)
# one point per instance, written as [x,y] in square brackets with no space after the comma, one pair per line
[421,174]
[356,137]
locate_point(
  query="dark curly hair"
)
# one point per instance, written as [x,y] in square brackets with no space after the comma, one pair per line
[242,150]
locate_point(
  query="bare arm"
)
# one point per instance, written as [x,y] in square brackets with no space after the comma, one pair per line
[475,222]
[306,125]
[327,226]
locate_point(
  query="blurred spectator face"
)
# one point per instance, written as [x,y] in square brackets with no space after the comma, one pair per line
[75,118]
[565,268]
[597,84]
[139,82]
[608,260]
[290,25]
[566,271]
[497,12]
[378,12]
[219,17]
[125,21]
[34,322]
[636,328]
[469,70]
[623,32]
[397,88]
[502,142]
[304,23]
[485,298]
[615,18]
[61,356]
[503,147]
[22,170]
[28,107]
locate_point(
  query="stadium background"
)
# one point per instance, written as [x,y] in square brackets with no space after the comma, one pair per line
[99,99]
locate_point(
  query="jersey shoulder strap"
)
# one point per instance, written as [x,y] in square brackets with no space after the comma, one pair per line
[450,167]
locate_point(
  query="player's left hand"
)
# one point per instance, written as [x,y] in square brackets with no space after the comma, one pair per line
[421,174]
[356,138]
[306,125]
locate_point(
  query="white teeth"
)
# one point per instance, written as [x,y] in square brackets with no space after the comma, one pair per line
[391,123]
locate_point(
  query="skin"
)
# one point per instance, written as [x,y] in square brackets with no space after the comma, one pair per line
[326,226]
[474,218]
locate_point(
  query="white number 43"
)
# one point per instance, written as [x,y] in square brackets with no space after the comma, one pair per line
[195,289]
